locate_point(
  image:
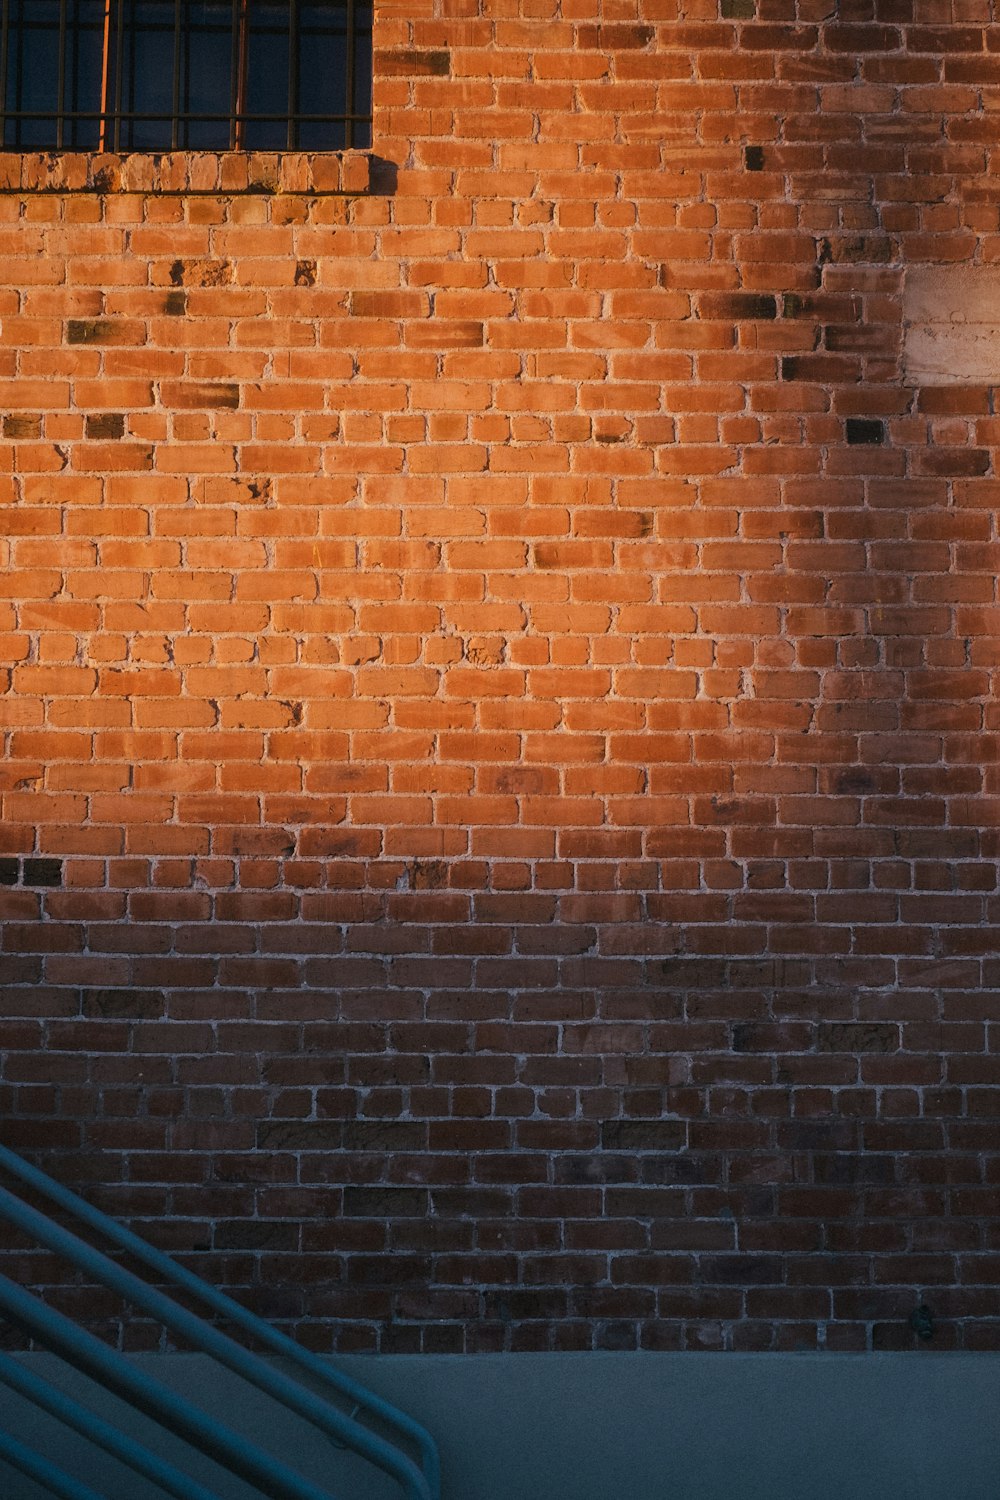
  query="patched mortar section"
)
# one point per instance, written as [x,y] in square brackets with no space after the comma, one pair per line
[952,326]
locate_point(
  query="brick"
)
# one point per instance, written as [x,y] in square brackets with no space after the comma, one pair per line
[643,1135]
[411,62]
[856,1037]
[498,687]
[103,331]
[141,1004]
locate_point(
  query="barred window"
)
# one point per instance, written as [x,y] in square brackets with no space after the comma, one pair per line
[166,75]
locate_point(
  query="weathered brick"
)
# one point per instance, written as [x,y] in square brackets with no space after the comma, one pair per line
[42,872]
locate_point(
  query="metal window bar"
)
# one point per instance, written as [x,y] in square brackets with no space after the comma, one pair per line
[119,72]
[105,71]
[19,69]
[100,106]
[420,1480]
[349,81]
[293,72]
[61,77]
[241,61]
[4,61]
[175,89]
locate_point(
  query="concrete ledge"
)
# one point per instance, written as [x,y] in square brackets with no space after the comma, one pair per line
[610,1426]
[189,173]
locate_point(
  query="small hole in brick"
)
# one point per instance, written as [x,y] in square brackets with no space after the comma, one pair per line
[43,872]
[921,1320]
[865,430]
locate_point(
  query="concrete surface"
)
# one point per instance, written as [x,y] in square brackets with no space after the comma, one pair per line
[916,1426]
[951,317]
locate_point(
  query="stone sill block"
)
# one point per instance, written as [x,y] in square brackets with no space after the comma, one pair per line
[185,172]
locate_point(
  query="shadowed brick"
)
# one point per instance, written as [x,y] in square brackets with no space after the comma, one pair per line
[384,1203]
[412,63]
[123,1002]
[643,1135]
[856,1037]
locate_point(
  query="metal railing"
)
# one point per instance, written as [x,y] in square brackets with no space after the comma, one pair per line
[168,75]
[419,1475]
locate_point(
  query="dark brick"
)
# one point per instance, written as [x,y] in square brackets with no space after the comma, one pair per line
[738,305]
[615,37]
[643,1135]
[865,430]
[741,1270]
[10,871]
[598,1168]
[409,62]
[43,872]
[256,1234]
[106,424]
[853,1167]
[300,1135]
[389,1270]
[385,1202]
[511,1305]
[21,425]
[857,1036]
[753,158]
[89,330]
[142,1004]
[385,1135]
[822,368]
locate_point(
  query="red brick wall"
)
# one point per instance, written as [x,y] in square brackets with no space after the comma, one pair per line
[499,824]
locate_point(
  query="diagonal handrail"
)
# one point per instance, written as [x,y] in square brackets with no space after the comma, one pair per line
[271,1338]
[49,1398]
[62,1486]
[420,1482]
[80,1349]
[203,1336]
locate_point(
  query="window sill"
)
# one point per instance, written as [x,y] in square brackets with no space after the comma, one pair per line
[210,173]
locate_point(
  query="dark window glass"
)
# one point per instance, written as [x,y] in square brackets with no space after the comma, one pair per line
[160,75]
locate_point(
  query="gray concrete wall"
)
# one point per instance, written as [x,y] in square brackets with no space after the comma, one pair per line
[917,1426]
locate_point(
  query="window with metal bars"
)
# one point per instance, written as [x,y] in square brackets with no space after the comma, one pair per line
[187,75]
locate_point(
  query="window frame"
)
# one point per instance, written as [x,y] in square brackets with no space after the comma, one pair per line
[115,124]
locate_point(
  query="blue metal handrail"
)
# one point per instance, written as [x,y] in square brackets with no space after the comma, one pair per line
[420,1481]
[105,1365]
[49,1398]
[57,1483]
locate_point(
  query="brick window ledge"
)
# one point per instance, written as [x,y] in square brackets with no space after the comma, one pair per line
[314,173]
